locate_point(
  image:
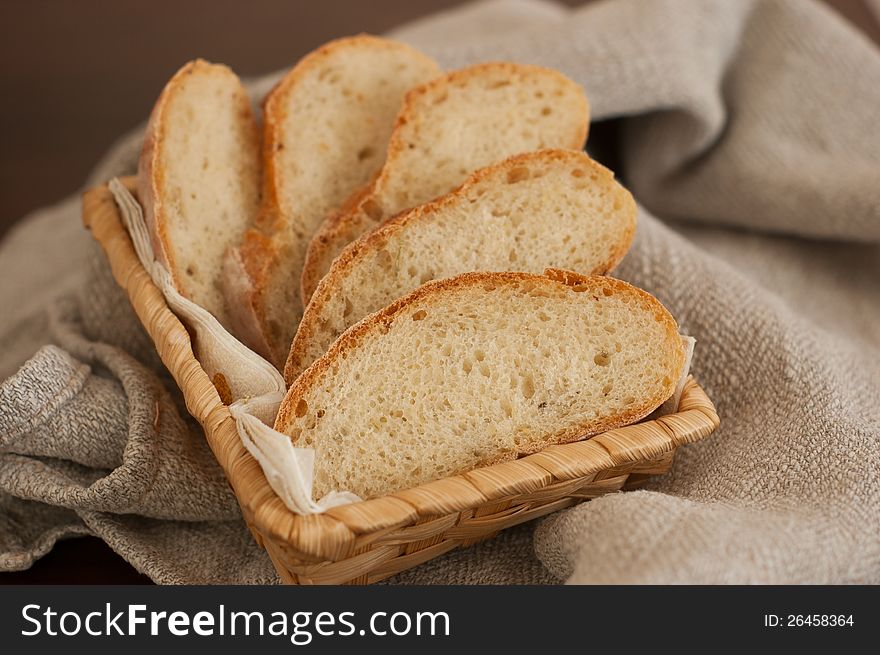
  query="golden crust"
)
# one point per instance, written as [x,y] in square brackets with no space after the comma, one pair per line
[329,284]
[375,323]
[345,226]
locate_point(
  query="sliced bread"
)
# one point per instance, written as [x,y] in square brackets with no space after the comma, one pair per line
[326,127]
[447,129]
[550,208]
[479,369]
[199,178]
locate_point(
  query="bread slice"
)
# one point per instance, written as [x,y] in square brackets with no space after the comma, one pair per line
[550,208]
[326,129]
[449,128]
[479,369]
[199,178]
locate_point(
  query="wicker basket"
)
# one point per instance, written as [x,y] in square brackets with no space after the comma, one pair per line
[374,539]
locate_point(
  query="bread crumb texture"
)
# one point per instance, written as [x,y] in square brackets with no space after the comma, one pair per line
[478,369]
[551,208]
[327,127]
[208,155]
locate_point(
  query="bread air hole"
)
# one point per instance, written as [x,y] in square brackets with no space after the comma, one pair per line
[385,261]
[372,209]
[546,111]
[528,386]
[607,388]
[520,438]
[366,153]
[301,408]
[419,315]
[517,174]
[602,359]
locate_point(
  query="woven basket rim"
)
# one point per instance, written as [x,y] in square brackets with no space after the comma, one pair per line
[340,531]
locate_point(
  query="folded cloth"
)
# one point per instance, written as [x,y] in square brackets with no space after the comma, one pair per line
[747,127]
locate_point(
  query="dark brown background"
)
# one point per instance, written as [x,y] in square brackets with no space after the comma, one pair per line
[76,75]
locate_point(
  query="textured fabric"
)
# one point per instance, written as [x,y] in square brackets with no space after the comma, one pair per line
[746,131]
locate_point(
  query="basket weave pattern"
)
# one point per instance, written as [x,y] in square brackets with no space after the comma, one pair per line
[367,541]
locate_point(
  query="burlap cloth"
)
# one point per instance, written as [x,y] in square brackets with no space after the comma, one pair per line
[749,128]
